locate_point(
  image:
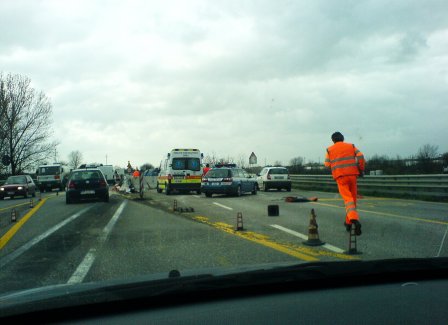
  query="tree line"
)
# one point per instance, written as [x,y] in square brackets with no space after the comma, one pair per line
[428,160]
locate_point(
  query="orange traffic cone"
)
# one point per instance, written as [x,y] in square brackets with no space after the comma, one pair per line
[313,233]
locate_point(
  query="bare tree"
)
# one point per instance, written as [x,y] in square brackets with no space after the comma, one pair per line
[242,160]
[426,156]
[296,164]
[428,152]
[26,125]
[75,159]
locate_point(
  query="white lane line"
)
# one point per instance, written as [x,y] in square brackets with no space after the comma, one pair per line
[443,241]
[222,206]
[304,237]
[84,267]
[111,223]
[8,258]
[197,196]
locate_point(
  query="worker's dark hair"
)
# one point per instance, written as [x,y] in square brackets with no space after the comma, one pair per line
[337,137]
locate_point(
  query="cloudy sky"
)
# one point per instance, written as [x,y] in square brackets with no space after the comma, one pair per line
[134,79]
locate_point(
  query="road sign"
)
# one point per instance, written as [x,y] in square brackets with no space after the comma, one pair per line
[252,159]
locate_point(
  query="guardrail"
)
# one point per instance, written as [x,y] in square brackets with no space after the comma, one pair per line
[424,187]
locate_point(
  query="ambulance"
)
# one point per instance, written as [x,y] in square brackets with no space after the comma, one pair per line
[180,171]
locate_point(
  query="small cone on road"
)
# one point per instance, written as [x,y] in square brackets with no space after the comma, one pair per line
[239,221]
[352,243]
[13,215]
[175,205]
[313,233]
[31,203]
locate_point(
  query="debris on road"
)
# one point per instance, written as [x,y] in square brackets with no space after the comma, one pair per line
[300,199]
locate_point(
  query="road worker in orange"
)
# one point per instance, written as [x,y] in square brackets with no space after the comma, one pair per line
[347,164]
[136,173]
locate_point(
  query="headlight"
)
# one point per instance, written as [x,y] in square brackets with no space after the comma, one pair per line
[2,189]
[20,188]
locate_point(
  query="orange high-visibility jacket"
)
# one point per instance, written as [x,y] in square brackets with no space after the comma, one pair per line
[344,159]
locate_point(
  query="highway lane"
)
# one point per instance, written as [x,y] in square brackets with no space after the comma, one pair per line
[90,242]
[391,227]
[127,237]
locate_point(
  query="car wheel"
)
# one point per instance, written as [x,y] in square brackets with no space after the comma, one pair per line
[159,190]
[208,194]
[106,198]
[254,192]
[167,190]
[265,187]
[289,189]
[238,190]
[198,192]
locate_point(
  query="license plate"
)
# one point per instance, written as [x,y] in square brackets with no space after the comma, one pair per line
[10,193]
[278,177]
[87,192]
[215,183]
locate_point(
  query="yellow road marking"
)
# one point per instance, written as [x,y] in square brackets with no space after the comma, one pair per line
[389,214]
[14,206]
[11,232]
[302,253]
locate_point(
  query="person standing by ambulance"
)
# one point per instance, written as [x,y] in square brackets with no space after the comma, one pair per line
[347,163]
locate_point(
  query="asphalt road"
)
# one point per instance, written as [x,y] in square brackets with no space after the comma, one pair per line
[55,243]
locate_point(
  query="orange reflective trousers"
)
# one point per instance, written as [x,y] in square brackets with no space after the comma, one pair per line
[349,191]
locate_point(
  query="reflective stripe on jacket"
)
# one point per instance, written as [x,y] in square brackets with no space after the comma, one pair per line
[344,159]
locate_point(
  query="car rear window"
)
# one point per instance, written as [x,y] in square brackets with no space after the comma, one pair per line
[278,171]
[193,164]
[86,175]
[218,173]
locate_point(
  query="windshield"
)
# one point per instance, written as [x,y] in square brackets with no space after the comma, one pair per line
[16,180]
[324,124]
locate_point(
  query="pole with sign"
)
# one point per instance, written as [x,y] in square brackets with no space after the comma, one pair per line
[252,159]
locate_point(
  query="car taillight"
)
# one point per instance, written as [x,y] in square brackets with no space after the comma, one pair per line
[269,176]
[57,177]
[103,183]
[227,179]
[71,184]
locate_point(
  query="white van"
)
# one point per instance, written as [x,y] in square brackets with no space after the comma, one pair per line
[52,176]
[181,171]
[107,170]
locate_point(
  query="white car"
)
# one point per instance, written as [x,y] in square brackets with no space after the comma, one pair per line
[274,177]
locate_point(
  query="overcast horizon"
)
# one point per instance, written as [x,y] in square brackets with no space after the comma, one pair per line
[134,79]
